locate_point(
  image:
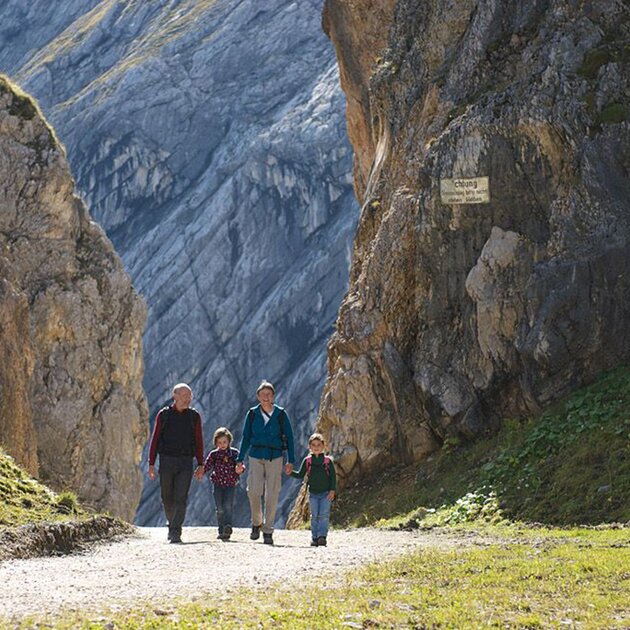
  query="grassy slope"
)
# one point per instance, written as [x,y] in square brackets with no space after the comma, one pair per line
[570,465]
[25,500]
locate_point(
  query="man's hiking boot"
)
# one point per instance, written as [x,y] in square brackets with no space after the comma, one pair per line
[255,535]
[267,539]
[227,532]
[176,541]
[321,541]
[313,542]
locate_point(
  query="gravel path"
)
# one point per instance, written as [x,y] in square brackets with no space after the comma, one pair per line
[148,569]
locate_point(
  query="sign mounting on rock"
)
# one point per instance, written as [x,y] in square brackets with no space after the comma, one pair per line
[465,190]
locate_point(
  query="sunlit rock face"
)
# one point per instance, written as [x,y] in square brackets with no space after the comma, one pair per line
[460,315]
[73,408]
[209,140]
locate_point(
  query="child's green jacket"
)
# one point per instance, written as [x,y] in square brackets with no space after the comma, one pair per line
[319,479]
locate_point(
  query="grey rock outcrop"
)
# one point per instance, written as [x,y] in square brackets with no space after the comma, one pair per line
[73,408]
[209,141]
[459,315]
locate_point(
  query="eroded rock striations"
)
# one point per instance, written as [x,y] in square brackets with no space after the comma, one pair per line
[459,315]
[209,141]
[71,324]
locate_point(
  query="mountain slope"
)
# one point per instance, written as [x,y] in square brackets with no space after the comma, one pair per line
[209,140]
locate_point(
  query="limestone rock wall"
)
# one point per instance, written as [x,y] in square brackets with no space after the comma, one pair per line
[459,315]
[17,432]
[73,408]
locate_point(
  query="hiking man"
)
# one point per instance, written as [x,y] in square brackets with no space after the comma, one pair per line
[177,438]
[266,434]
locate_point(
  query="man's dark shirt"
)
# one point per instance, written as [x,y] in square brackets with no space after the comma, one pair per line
[177,416]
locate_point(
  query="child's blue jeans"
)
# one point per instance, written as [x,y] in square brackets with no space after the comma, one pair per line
[224,501]
[320,514]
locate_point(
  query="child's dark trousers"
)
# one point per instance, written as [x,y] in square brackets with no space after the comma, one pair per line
[224,501]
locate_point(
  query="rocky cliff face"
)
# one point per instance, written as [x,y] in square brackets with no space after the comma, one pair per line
[70,349]
[209,140]
[459,315]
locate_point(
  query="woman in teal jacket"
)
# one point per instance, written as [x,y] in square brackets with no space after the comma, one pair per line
[267,433]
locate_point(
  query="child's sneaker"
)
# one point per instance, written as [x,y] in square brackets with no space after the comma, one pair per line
[321,541]
[227,532]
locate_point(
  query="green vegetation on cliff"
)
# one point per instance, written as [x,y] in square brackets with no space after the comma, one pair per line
[22,105]
[35,521]
[26,108]
[570,465]
[25,500]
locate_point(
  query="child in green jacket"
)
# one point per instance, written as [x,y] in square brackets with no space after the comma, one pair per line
[321,482]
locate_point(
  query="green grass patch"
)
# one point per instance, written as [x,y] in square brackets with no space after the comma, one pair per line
[593,61]
[579,579]
[21,104]
[612,114]
[25,500]
[26,108]
[570,465]
[456,112]
[613,49]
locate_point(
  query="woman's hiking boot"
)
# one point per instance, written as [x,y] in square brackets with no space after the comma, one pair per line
[267,539]
[255,535]
[321,541]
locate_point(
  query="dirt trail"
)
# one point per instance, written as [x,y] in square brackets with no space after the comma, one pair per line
[146,568]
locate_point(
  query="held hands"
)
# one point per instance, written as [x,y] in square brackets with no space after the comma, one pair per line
[240,468]
[152,473]
[288,468]
[331,495]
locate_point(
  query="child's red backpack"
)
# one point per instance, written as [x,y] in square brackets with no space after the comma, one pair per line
[309,461]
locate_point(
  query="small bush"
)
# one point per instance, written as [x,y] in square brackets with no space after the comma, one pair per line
[67,503]
[482,505]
